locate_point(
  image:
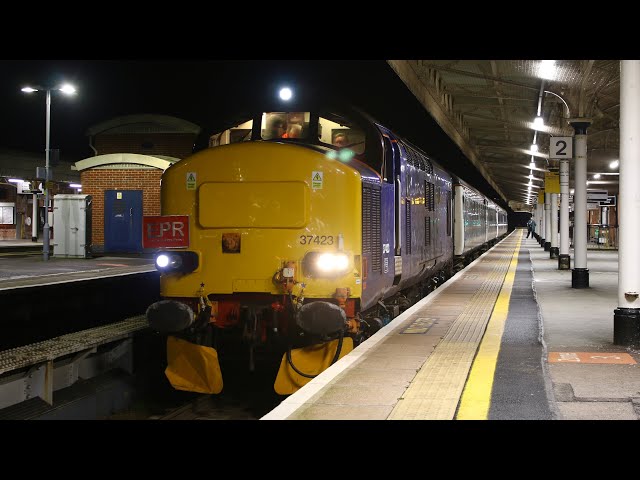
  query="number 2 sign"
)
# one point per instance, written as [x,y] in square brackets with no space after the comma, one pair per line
[561,147]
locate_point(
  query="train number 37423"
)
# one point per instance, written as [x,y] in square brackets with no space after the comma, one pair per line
[316,239]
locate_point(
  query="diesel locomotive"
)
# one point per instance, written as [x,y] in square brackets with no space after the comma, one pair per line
[303,231]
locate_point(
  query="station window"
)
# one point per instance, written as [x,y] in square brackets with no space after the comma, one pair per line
[7,213]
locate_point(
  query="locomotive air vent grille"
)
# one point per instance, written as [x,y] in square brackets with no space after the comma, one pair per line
[371,234]
[422,161]
[427,231]
[408,225]
[428,166]
[410,159]
[429,194]
[376,231]
[366,220]
[419,160]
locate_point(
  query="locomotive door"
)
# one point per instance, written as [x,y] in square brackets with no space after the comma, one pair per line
[123,221]
[393,161]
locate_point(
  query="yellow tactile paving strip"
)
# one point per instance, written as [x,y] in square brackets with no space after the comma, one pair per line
[476,397]
[435,391]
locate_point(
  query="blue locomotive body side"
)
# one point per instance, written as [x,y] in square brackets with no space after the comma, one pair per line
[416,224]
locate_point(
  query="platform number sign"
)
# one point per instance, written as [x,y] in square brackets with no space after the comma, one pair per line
[561,147]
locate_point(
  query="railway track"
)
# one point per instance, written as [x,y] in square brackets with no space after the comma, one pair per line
[173,405]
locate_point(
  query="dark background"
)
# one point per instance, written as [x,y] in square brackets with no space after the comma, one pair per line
[208,93]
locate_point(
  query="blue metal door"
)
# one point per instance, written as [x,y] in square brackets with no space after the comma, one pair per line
[123,221]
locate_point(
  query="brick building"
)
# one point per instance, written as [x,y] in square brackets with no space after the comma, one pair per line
[123,177]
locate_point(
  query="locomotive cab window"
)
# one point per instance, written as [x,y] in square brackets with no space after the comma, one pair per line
[239,133]
[285,125]
[339,133]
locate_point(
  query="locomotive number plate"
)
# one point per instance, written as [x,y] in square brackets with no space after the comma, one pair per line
[316,239]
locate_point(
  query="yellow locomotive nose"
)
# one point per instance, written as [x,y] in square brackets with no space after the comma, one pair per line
[256,206]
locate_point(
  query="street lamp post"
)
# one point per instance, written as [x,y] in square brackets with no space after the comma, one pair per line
[69,90]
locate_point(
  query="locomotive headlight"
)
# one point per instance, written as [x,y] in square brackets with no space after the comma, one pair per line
[325,264]
[177,262]
[332,262]
[162,261]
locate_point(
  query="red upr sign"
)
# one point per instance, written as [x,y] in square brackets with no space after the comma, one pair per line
[165,231]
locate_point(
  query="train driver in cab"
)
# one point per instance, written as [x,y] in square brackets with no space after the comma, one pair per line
[276,127]
[341,140]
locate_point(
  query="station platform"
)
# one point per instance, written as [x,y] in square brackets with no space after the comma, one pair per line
[507,338]
[22,265]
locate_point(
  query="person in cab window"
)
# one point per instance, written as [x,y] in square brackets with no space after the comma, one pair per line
[293,131]
[341,140]
[276,128]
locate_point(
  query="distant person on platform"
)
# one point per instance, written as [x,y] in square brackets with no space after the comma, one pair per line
[531,227]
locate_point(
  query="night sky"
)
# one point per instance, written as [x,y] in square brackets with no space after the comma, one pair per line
[205,92]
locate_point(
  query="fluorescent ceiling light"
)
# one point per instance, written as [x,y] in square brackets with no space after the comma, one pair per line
[614,164]
[547,69]
[538,123]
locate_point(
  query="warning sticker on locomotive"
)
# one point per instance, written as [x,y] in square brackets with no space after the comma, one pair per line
[191,180]
[316,180]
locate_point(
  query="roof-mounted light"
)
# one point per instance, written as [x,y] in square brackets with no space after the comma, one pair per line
[285,94]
